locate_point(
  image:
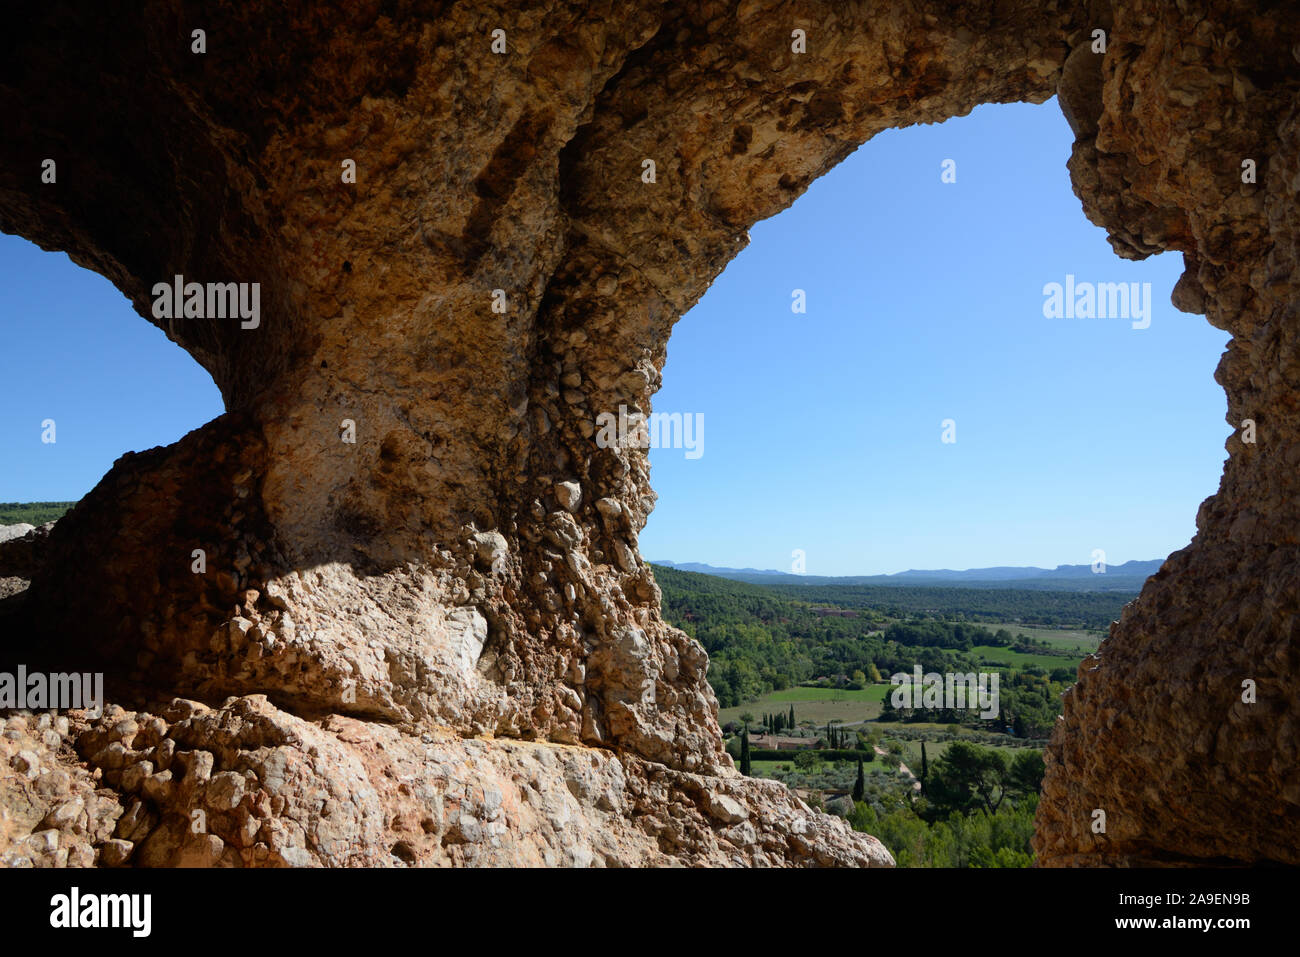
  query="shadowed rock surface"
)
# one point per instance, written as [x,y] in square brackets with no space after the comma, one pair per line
[439,644]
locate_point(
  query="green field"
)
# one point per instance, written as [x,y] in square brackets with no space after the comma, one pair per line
[912,751]
[873,693]
[818,705]
[768,769]
[1066,638]
[991,654]
[823,705]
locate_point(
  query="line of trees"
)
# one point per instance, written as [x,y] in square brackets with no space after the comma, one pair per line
[1029,701]
[834,736]
[969,778]
[778,721]
[976,810]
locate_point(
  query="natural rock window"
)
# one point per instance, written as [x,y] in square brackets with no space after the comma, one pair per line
[77,354]
[821,422]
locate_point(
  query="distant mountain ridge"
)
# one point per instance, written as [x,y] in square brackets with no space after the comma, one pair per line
[1128,576]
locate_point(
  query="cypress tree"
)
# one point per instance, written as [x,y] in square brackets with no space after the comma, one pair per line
[792,724]
[745,765]
[925,767]
[887,710]
[860,786]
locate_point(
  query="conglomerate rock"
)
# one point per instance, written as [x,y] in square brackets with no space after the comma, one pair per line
[1183,728]
[390,606]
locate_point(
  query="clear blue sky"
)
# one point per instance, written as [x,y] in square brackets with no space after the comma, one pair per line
[924,303]
[822,430]
[73,350]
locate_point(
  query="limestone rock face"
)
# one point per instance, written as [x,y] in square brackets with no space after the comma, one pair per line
[1161,733]
[10,532]
[394,594]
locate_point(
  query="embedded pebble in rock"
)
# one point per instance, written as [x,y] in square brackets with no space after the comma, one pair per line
[52,813]
[568,494]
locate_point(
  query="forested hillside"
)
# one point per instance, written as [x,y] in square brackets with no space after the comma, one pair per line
[762,639]
[33,513]
[942,786]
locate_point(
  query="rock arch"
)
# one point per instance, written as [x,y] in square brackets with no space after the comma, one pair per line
[456,601]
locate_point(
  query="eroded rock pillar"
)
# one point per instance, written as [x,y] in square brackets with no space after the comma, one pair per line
[1182,729]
